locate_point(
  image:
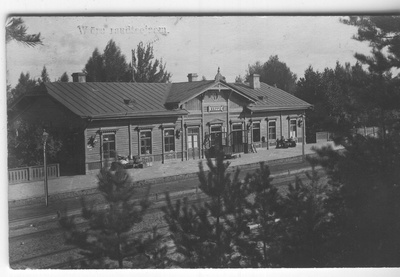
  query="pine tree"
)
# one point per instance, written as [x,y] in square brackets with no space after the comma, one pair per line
[107,241]
[368,171]
[145,68]
[94,68]
[312,219]
[210,233]
[265,218]
[274,73]
[368,176]
[64,78]
[25,84]
[336,94]
[111,66]
[115,66]
[382,96]
[44,76]
[16,30]
[239,79]
[309,89]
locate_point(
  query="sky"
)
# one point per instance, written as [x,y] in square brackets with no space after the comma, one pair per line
[187,44]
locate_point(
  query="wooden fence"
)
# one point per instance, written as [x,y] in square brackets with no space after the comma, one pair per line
[323,136]
[365,131]
[32,173]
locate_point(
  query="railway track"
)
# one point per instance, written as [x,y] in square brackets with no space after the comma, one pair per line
[65,255]
[154,208]
[57,233]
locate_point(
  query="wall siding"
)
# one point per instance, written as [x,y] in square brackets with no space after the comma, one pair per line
[236,113]
[194,104]
[276,115]
[122,137]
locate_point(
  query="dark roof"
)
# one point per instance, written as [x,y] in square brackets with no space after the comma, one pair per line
[106,100]
[187,90]
[270,98]
[117,100]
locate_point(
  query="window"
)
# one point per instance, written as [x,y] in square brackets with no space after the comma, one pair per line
[256,132]
[169,140]
[108,146]
[145,142]
[237,127]
[293,128]
[271,130]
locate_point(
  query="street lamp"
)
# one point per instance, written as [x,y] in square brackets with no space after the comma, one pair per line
[46,189]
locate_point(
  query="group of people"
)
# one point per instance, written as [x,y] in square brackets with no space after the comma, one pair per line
[285,143]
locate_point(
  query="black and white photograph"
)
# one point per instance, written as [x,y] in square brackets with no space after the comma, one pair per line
[209,141]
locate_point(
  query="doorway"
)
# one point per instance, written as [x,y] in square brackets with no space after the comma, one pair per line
[193,143]
[216,136]
[237,138]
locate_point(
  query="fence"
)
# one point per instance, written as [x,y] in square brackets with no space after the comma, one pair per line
[367,131]
[364,131]
[323,136]
[32,173]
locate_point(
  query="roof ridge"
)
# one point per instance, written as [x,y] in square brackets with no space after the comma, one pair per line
[192,82]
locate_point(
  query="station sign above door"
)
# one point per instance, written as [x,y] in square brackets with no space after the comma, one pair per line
[215,108]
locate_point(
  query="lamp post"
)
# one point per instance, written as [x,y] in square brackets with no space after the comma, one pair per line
[46,189]
[304,137]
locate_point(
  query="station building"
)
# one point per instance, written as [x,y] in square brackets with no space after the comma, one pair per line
[159,122]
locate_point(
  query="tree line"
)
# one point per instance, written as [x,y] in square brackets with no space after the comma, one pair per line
[109,66]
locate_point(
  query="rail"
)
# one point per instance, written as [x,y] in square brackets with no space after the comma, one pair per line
[32,173]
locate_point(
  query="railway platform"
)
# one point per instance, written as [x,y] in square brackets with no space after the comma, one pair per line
[169,171]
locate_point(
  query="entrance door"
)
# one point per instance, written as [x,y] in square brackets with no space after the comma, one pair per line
[216,136]
[237,138]
[193,143]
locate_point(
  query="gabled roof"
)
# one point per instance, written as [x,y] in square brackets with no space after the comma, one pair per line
[183,92]
[271,98]
[107,100]
[186,90]
[133,100]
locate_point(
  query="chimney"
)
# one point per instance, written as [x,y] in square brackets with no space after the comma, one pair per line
[255,81]
[79,77]
[192,77]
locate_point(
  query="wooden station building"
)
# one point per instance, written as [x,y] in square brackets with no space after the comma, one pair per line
[159,122]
